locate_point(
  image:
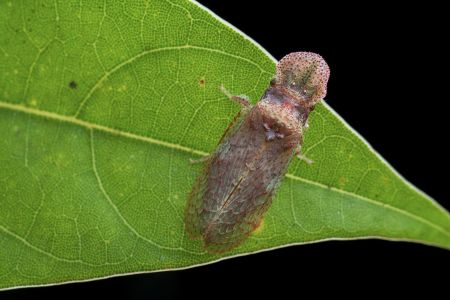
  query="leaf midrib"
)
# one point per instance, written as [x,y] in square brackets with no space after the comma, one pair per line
[150,140]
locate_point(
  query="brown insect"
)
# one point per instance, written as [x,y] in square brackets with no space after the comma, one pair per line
[235,189]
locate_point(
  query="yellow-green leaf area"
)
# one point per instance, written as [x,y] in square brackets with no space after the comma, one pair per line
[103,103]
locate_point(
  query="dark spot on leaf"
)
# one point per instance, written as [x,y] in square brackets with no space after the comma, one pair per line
[73,85]
[201,82]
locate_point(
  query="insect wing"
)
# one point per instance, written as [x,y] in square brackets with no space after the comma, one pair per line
[250,212]
[193,212]
[242,177]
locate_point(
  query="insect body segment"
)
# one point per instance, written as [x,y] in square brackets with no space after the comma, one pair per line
[235,189]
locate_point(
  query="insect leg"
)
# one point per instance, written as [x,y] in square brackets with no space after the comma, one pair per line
[242,100]
[200,160]
[301,156]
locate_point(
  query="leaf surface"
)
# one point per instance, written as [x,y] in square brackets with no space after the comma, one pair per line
[103,103]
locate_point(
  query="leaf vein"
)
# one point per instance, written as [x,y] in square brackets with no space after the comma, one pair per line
[371,201]
[89,125]
[117,211]
[156,50]
[42,251]
[92,126]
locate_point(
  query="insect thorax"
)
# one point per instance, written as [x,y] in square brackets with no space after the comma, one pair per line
[281,111]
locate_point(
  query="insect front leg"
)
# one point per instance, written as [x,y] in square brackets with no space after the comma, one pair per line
[241,100]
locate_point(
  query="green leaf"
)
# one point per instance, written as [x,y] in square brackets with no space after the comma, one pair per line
[101,107]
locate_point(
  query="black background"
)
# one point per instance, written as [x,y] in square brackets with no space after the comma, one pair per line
[388,81]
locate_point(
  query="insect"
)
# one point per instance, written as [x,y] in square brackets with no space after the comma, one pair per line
[235,189]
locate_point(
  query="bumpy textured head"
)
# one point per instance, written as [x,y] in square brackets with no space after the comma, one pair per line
[306,74]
